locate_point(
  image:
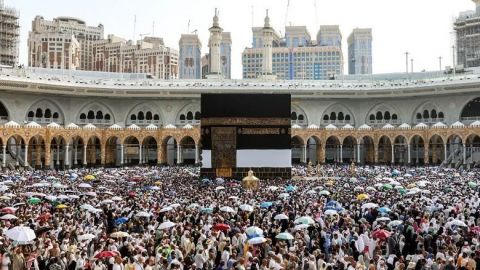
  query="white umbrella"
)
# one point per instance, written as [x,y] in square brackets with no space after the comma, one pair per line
[117,199]
[86,206]
[369,205]
[257,241]
[84,237]
[246,208]
[394,223]
[194,205]
[280,217]
[175,205]
[75,197]
[273,188]
[283,195]
[227,209]
[63,197]
[85,185]
[458,222]
[331,212]
[166,225]
[8,217]
[107,201]
[284,236]
[166,209]
[142,214]
[91,194]
[380,219]
[219,188]
[22,235]
[305,220]
[301,227]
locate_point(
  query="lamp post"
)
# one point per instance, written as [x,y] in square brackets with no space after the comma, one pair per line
[406,61]
[411,61]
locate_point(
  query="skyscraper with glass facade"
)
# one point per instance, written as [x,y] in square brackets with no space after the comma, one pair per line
[360,51]
[190,63]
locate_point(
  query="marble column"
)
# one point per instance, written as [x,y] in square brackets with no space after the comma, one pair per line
[408,154]
[85,155]
[67,160]
[4,155]
[445,151]
[121,154]
[197,154]
[393,153]
[341,154]
[25,160]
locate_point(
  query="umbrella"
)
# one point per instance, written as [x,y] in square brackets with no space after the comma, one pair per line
[280,217]
[89,177]
[290,188]
[472,184]
[324,192]
[220,180]
[34,200]
[221,227]
[254,231]
[61,206]
[370,189]
[194,205]
[84,237]
[257,240]
[305,220]
[8,210]
[358,189]
[394,223]
[369,205]
[85,185]
[412,185]
[457,222]
[166,225]
[384,209]
[387,186]
[331,212]
[266,204]
[119,234]
[62,197]
[227,209]
[272,188]
[219,188]
[330,183]
[20,234]
[207,210]
[166,209]
[284,236]
[116,199]
[382,219]
[121,220]
[246,208]
[301,227]
[381,234]
[362,197]
[283,195]
[8,217]
[158,183]
[142,214]
[106,254]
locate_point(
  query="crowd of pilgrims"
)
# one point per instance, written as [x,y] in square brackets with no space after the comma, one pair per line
[374,218]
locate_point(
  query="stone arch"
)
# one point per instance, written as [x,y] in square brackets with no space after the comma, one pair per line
[131,146]
[16,148]
[93,151]
[169,150]
[384,150]
[51,112]
[314,149]
[332,149]
[343,115]
[470,111]
[149,151]
[429,113]
[4,113]
[455,148]
[298,148]
[472,148]
[90,113]
[183,115]
[35,156]
[383,113]
[150,115]
[349,149]
[299,117]
[77,145]
[113,151]
[436,149]
[367,150]
[187,150]
[417,150]
[57,148]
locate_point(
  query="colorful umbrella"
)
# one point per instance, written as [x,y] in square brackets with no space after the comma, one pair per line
[362,197]
[221,227]
[381,234]
[106,254]
[34,200]
[89,178]
[61,206]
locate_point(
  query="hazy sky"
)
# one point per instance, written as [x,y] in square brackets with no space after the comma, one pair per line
[422,27]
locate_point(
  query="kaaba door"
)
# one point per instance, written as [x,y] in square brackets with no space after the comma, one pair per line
[224,147]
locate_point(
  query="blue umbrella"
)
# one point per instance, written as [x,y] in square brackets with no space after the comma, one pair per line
[384,209]
[121,220]
[207,210]
[266,204]
[290,188]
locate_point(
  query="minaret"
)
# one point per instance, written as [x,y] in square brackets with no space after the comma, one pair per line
[267,66]
[477,2]
[214,45]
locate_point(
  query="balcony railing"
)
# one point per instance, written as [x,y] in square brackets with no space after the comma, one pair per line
[41,120]
[191,122]
[377,123]
[429,120]
[144,122]
[95,121]
[337,122]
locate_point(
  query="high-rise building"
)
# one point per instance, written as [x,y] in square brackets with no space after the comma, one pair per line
[149,55]
[190,57]
[84,34]
[205,65]
[53,50]
[297,56]
[468,38]
[9,35]
[226,55]
[360,51]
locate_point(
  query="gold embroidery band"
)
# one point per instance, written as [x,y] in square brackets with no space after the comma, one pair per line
[245,121]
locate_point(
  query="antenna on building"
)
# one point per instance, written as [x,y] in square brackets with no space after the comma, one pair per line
[287,11]
[316,12]
[188,27]
[252,15]
[153,28]
[134,27]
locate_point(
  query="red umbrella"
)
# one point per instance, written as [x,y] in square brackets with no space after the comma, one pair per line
[381,234]
[44,217]
[8,210]
[132,194]
[106,254]
[221,227]
[475,229]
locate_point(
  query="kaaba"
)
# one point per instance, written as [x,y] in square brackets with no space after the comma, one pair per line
[240,132]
